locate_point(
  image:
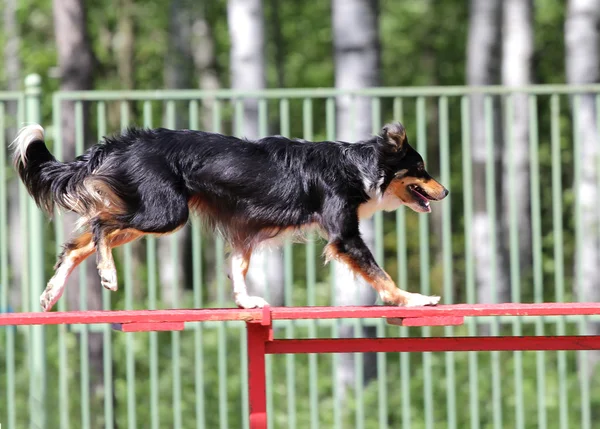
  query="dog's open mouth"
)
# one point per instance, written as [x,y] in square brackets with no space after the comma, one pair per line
[421,197]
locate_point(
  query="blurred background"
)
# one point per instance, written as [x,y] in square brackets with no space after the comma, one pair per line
[501,98]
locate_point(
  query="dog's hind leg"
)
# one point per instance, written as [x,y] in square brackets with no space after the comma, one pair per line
[74,252]
[104,241]
[239,262]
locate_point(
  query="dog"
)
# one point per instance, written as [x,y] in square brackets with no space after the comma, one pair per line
[148,181]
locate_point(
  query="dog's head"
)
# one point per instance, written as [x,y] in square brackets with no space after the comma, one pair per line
[411,183]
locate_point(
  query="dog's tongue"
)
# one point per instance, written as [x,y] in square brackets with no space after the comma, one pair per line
[422,199]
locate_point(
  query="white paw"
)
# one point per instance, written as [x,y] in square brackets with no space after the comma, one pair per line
[418,300]
[50,296]
[247,301]
[108,278]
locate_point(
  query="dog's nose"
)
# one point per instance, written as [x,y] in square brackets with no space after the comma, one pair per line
[446,192]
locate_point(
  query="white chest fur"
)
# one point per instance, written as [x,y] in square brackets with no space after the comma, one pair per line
[387,202]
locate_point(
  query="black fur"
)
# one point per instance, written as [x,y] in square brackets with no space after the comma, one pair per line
[248,190]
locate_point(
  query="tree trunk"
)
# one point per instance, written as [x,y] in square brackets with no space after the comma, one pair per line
[517,56]
[582,66]
[179,72]
[277,37]
[246,24]
[12,71]
[76,63]
[483,68]
[357,65]
[125,45]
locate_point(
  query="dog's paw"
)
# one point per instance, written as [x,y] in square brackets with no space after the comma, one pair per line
[418,300]
[247,301]
[50,296]
[108,278]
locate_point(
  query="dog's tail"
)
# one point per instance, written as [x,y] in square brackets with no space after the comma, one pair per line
[47,180]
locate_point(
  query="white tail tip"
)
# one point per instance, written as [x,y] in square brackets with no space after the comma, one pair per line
[27,135]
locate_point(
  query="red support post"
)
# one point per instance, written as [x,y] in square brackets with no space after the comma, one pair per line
[258,335]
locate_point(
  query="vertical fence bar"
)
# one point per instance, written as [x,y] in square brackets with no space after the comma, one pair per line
[424,251]
[128,284]
[284,117]
[84,363]
[382,393]
[359,360]
[557,230]
[311,279]
[9,357]
[37,380]
[490,192]
[536,230]
[175,261]
[220,276]
[335,331]
[515,271]
[152,298]
[240,131]
[106,305]
[197,280]
[469,265]
[4,301]
[63,369]
[25,280]
[263,130]
[402,261]
[584,370]
[447,255]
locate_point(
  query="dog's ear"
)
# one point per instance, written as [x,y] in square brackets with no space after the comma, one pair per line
[394,136]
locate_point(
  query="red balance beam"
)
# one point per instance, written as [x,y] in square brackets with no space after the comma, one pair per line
[433,344]
[442,314]
[261,342]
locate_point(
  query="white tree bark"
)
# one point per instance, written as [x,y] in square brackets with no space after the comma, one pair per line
[582,66]
[179,74]
[12,72]
[76,64]
[357,65]
[483,68]
[246,30]
[517,56]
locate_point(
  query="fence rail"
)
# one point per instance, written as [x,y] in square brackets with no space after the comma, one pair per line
[87,376]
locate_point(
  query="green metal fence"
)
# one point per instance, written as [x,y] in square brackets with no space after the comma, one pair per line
[54,377]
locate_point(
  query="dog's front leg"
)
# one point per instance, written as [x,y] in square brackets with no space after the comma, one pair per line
[352,251]
[239,263]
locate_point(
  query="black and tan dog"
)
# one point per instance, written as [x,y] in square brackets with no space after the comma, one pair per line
[252,192]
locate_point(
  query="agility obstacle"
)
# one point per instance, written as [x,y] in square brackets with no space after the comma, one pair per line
[259,326]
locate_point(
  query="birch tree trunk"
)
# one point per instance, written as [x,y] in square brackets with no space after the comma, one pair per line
[582,66]
[517,56]
[483,68]
[179,73]
[246,31]
[76,63]
[357,65]
[12,72]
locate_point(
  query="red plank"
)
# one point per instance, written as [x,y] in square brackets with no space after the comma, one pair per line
[433,344]
[427,321]
[130,316]
[474,310]
[287,313]
[147,327]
